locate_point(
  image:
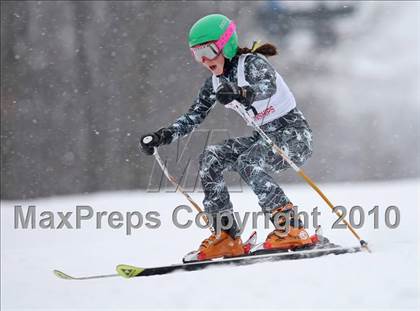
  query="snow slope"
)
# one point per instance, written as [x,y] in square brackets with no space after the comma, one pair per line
[387,278]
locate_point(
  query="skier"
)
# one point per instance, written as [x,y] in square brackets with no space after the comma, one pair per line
[244,75]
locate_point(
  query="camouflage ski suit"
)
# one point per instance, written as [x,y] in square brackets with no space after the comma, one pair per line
[249,156]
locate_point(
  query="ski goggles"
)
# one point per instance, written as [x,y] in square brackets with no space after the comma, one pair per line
[213,49]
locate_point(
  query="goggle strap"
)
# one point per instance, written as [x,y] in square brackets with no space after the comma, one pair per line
[223,40]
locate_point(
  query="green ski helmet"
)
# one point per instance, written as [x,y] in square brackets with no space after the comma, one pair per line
[211,28]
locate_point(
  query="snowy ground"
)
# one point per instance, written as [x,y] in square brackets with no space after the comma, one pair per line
[387,278]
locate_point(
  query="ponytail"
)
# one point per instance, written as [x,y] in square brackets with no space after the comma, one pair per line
[266,49]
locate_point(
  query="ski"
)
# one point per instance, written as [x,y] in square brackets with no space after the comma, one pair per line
[255,253]
[129,271]
[66,276]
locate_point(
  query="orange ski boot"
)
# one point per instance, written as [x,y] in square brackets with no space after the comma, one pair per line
[216,246]
[223,244]
[281,238]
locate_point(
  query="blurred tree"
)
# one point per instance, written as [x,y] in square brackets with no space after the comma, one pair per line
[282,21]
[82,80]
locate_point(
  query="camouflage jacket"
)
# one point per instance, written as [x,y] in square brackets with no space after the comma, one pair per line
[258,73]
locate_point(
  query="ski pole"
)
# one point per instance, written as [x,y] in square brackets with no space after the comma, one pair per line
[244,114]
[179,188]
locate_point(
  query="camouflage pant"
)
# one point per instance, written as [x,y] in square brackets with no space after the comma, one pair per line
[251,157]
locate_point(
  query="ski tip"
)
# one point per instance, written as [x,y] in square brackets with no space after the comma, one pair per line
[128,271]
[62,275]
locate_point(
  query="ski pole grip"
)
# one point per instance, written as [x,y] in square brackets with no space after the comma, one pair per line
[147,139]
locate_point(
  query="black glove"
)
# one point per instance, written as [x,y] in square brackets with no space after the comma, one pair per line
[228,91]
[148,142]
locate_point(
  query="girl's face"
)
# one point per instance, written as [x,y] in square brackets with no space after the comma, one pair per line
[215,65]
